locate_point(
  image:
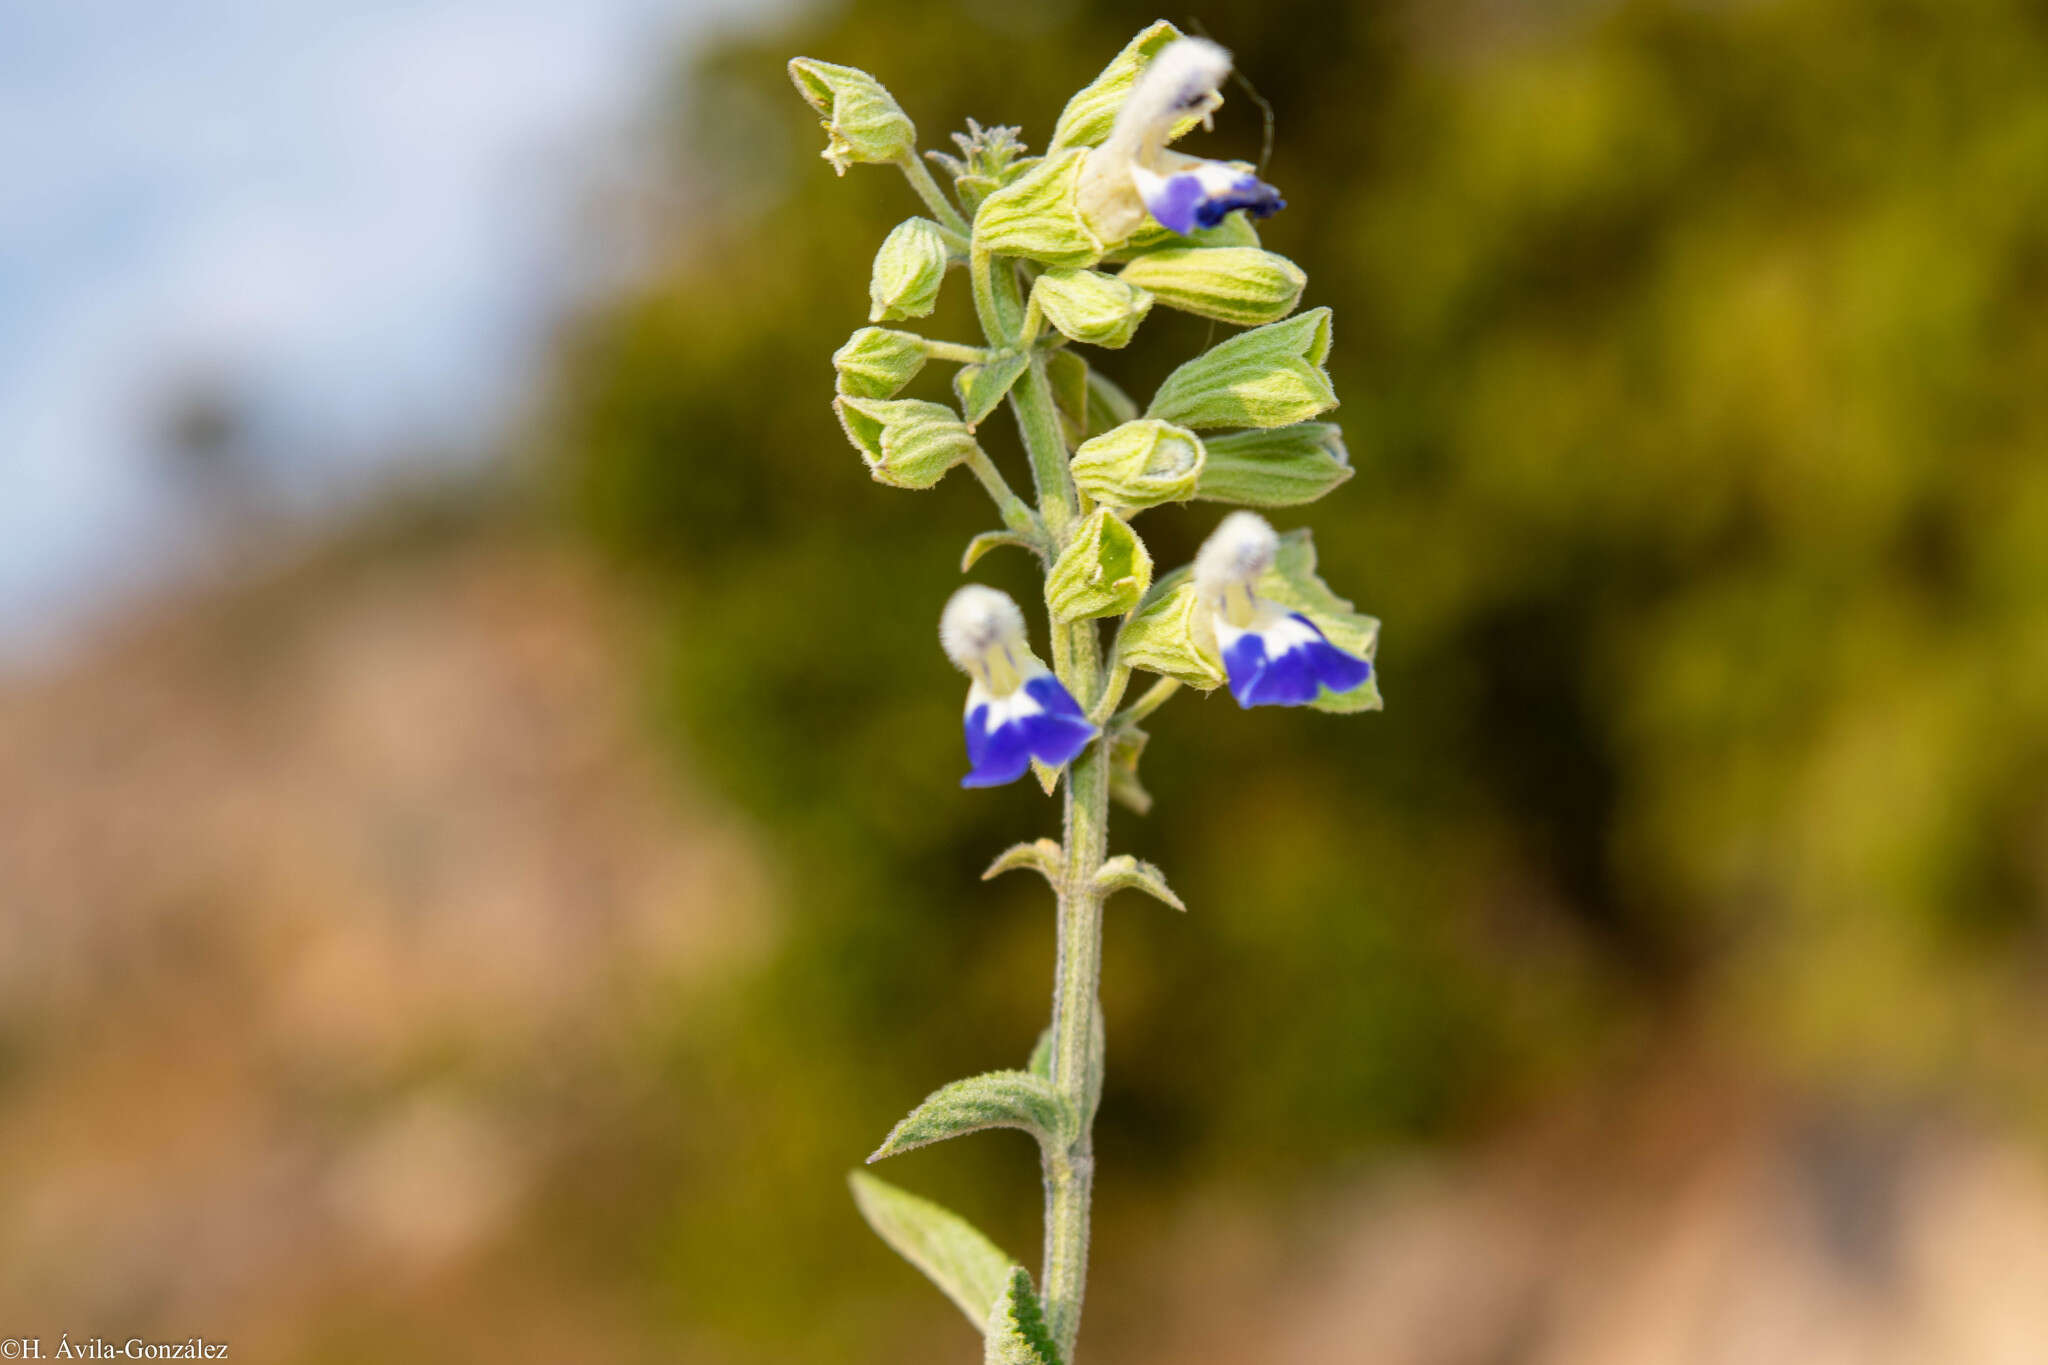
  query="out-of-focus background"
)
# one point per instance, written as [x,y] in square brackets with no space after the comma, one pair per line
[479,847]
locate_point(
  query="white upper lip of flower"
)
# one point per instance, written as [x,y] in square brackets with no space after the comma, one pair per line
[1240,549]
[1186,77]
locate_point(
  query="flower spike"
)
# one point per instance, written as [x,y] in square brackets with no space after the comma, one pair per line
[1133,174]
[1274,657]
[1016,709]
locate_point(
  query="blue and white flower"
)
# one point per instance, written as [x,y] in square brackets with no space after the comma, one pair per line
[1132,174]
[1016,709]
[1273,656]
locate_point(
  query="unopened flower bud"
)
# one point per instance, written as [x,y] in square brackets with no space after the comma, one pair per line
[862,120]
[1090,307]
[909,269]
[1241,285]
[906,443]
[876,362]
[1140,464]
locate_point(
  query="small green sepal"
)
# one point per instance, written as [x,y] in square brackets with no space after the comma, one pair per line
[863,122]
[1103,572]
[1267,377]
[1125,873]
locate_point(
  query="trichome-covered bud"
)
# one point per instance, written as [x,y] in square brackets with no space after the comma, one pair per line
[1017,710]
[1090,307]
[906,443]
[1267,377]
[1104,570]
[1280,467]
[1132,176]
[876,362]
[1273,656]
[1140,464]
[909,269]
[1241,285]
[863,122]
[989,159]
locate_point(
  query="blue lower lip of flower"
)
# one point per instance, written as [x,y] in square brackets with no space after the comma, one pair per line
[1290,677]
[1054,734]
[1184,204]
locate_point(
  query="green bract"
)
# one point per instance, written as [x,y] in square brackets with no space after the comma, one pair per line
[1140,464]
[862,120]
[1034,216]
[1091,307]
[909,269]
[906,443]
[1243,285]
[1266,377]
[1103,571]
[1280,467]
[876,362]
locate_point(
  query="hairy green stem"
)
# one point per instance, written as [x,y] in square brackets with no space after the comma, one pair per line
[1016,515]
[1077,656]
[934,198]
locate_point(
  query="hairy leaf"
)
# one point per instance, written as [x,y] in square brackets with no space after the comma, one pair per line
[968,1268]
[1044,857]
[1125,873]
[1016,1333]
[997,1099]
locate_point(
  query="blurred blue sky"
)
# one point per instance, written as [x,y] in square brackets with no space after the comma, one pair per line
[355,216]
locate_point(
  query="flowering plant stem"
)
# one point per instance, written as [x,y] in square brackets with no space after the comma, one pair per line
[1250,609]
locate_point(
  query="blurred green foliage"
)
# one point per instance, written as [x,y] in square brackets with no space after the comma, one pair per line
[1693,359]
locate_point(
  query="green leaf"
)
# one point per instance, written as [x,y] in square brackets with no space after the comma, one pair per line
[997,1099]
[968,1268]
[1015,1333]
[1044,857]
[981,387]
[1281,467]
[989,540]
[1089,403]
[1293,582]
[1267,377]
[1104,571]
[1125,873]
